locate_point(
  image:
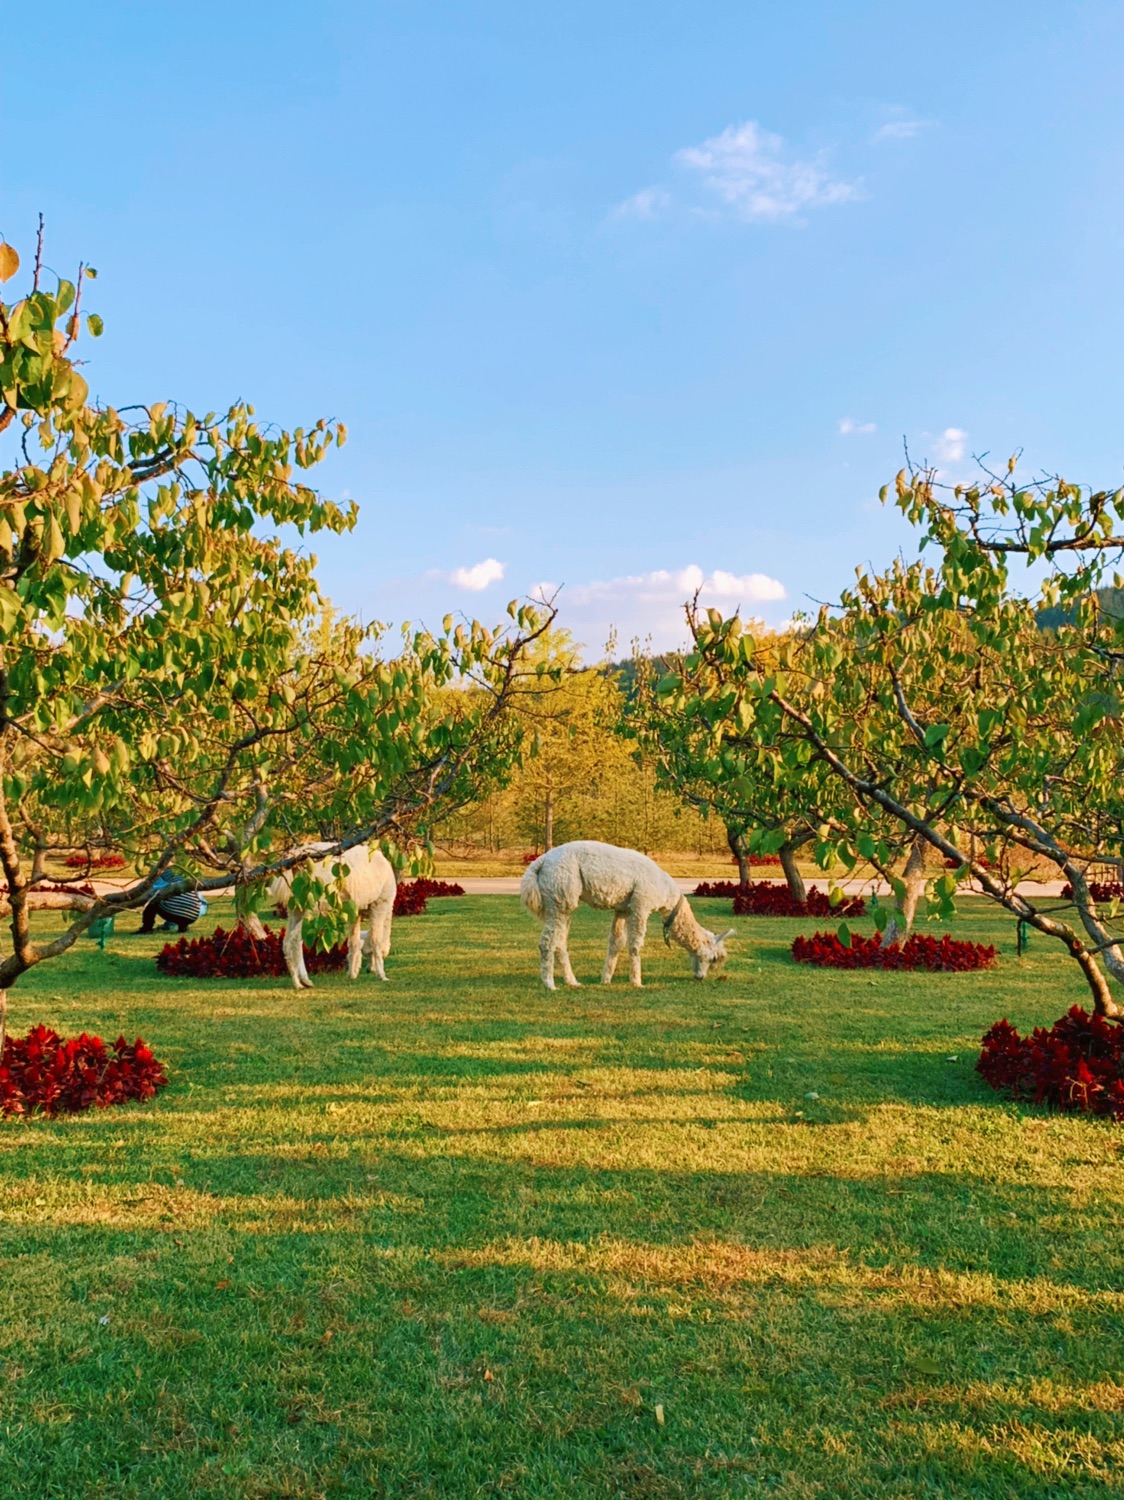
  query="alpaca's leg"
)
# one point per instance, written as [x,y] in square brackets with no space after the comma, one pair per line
[635,925]
[561,943]
[293,950]
[355,948]
[380,936]
[546,953]
[617,939]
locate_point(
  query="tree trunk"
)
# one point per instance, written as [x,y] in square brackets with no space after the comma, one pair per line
[913,888]
[787,853]
[244,916]
[735,838]
[3,1020]
[1103,1003]
[548,823]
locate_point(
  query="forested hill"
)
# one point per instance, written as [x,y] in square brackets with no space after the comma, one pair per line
[1111,601]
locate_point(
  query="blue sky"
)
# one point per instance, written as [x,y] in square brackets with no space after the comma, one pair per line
[615,296]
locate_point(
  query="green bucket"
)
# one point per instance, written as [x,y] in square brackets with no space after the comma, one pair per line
[99,929]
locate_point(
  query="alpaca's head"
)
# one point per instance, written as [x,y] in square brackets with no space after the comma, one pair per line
[705,947]
[711,950]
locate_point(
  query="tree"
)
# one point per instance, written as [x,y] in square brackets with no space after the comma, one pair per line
[168,678]
[586,778]
[763,809]
[935,698]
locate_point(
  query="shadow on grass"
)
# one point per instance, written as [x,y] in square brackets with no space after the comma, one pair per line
[466,1319]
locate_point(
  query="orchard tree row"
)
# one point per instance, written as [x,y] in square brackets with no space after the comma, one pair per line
[941,723]
[172,681]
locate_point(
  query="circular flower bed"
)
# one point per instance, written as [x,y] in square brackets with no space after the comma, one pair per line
[1078,1065]
[108,861]
[431,889]
[237,955]
[919,951]
[1100,890]
[763,898]
[41,1073]
[716,888]
[411,896]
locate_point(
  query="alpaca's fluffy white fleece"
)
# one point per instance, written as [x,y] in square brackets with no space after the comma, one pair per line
[369,884]
[623,881]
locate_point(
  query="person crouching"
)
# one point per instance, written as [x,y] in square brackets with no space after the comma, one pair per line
[178,911]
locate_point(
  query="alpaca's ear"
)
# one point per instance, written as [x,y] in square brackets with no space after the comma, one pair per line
[733,932]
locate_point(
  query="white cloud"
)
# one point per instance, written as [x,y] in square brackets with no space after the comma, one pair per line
[479,576]
[850,428]
[899,130]
[950,446]
[651,604]
[753,174]
[645,204]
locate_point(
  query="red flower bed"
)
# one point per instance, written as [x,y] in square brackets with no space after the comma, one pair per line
[760,898]
[762,861]
[1078,1065]
[41,1072]
[237,955]
[108,861]
[408,900]
[919,951]
[433,888]
[1100,890]
[716,888]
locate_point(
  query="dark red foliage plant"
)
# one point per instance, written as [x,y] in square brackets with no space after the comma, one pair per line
[109,861]
[40,1073]
[1100,890]
[761,898]
[408,900]
[765,898]
[431,889]
[716,888]
[919,951]
[238,955]
[1078,1065]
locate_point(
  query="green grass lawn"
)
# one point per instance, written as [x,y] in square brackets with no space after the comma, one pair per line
[455,1236]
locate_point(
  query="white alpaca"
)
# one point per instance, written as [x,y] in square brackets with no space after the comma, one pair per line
[370,884]
[621,881]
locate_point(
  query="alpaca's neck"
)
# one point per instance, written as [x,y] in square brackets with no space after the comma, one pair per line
[685,930]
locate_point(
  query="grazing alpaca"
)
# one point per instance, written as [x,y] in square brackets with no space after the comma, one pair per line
[630,885]
[370,884]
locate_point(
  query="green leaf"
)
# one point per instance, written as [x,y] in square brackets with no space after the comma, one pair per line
[11,608]
[95,325]
[934,734]
[844,935]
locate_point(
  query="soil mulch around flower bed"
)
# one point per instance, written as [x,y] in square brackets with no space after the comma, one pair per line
[919,951]
[41,1074]
[237,955]
[1076,1066]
